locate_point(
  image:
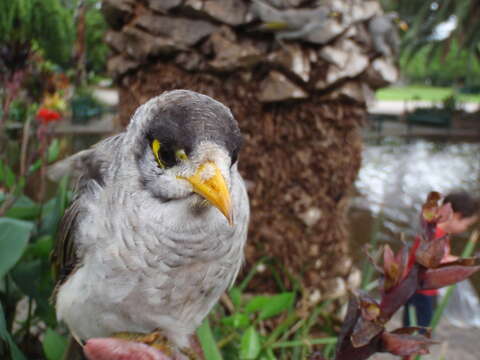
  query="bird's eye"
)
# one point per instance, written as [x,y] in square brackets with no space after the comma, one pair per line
[156,149]
[181,155]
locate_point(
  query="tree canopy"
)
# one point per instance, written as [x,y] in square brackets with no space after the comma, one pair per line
[425,17]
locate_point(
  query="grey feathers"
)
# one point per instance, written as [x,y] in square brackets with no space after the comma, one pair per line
[183,119]
[138,249]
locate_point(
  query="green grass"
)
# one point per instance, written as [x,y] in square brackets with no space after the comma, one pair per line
[419,92]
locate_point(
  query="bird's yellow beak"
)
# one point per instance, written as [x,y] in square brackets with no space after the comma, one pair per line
[209,183]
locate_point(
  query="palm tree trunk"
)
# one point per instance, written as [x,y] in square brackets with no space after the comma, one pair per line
[299,103]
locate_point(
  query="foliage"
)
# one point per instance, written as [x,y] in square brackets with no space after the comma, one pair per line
[84,106]
[47,27]
[440,57]
[425,16]
[27,231]
[454,67]
[97,50]
[263,327]
[423,92]
[415,267]
[44,24]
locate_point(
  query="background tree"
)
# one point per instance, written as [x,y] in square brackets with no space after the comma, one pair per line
[27,25]
[457,45]
[299,96]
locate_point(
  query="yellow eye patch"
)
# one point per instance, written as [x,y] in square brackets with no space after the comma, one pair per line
[156,149]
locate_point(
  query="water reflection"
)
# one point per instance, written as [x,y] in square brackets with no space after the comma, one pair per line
[396,176]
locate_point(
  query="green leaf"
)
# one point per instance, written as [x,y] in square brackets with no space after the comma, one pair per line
[34,279]
[269,306]
[209,346]
[276,305]
[14,235]
[257,303]
[15,352]
[2,172]
[237,320]
[9,177]
[24,208]
[53,210]
[35,166]
[250,345]
[236,296]
[3,325]
[54,345]
[53,151]
[42,247]
[268,355]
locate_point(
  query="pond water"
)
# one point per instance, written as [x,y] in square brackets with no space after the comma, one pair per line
[394,180]
[396,177]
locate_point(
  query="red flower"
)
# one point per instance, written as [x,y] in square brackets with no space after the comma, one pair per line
[46,116]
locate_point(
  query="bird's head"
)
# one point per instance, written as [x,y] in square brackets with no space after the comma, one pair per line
[186,147]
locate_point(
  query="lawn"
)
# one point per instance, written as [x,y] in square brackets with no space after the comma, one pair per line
[419,92]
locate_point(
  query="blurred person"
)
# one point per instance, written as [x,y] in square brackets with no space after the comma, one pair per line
[465,213]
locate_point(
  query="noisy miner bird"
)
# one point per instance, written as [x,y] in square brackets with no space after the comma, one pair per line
[304,24]
[384,31]
[157,227]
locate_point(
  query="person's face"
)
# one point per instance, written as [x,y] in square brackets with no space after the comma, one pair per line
[459,224]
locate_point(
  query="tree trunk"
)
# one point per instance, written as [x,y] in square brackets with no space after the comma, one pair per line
[300,104]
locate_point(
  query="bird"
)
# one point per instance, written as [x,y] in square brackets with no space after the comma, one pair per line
[385,38]
[157,226]
[292,24]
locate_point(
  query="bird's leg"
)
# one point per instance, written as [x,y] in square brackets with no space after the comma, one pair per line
[154,339]
[190,354]
[160,342]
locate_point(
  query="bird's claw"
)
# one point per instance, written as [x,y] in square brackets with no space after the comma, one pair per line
[154,339]
[160,342]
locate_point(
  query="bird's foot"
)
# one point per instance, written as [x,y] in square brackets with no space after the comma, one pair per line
[154,339]
[160,342]
[190,354]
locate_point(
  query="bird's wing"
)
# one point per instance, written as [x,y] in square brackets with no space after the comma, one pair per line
[92,166]
[64,258]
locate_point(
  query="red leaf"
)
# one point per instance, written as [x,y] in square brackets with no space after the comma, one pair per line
[429,208]
[402,259]
[397,296]
[471,261]
[364,331]
[410,330]
[390,268]
[405,345]
[345,349]
[446,275]
[353,314]
[430,253]
[429,217]
[368,306]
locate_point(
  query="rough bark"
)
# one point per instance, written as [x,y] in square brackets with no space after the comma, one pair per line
[300,104]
